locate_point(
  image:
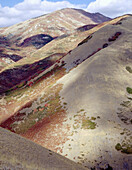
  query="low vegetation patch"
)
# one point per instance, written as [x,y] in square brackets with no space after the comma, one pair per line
[125,103]
[88,124]
[85,40]
[105,45]
[114,37]
[129,90]
[84,122]
[129,69]
[41,107]
[125,147]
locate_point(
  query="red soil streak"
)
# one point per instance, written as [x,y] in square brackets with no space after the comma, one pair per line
[16,117]
[58,72]
[7,124]
[50,132]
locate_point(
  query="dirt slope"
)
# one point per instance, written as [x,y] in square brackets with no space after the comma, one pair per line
[97,102]
[20,154]
[81,106]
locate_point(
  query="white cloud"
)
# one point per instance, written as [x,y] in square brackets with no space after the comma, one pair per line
[29,9]
[111,8]
[33,8]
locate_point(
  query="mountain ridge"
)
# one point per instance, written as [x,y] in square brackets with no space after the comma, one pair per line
[54,24]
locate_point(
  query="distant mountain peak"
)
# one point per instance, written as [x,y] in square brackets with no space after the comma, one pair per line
[96,17]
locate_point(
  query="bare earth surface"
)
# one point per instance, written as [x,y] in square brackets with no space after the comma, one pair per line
[80,105]
[17,153]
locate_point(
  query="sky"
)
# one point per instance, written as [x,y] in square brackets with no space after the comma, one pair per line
[15,11]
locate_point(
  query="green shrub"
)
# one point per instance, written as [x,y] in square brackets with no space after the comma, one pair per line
[129,90]
[129,69]
[118,146]
[88,124]
[124,148]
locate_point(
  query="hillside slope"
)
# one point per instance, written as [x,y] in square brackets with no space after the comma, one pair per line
[32,69]
[19,153]
[55,24]
[27,37]
[80,105]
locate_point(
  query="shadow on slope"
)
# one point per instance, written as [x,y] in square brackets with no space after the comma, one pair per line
[37,40]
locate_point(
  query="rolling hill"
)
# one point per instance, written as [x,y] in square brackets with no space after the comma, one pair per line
[24,38]
[74,95]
